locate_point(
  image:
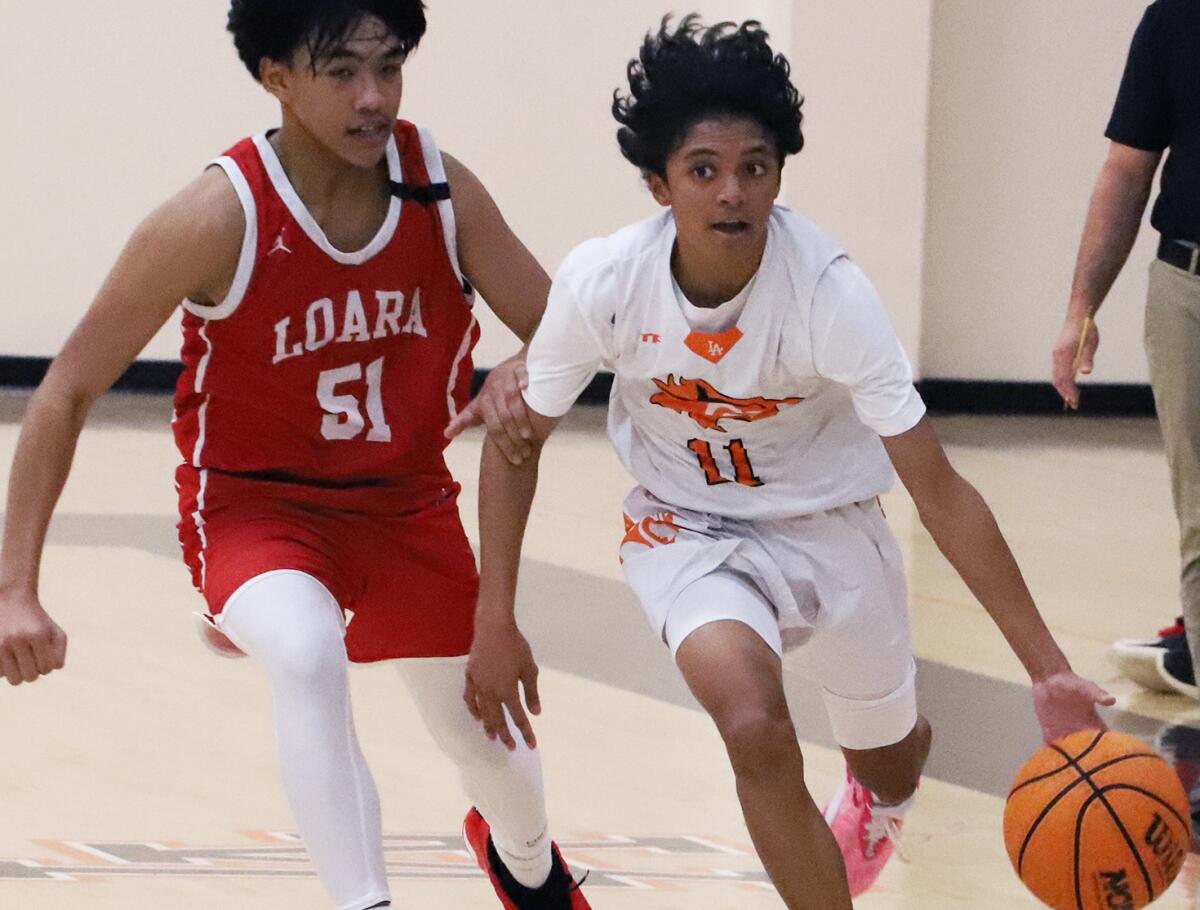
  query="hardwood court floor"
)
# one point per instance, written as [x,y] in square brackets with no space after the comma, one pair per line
[144,775]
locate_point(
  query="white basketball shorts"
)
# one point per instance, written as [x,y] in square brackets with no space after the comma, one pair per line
[827,589]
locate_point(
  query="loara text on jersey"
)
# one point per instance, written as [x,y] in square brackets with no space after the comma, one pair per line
[392,313]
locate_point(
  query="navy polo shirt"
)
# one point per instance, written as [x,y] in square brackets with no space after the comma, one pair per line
[1158,107]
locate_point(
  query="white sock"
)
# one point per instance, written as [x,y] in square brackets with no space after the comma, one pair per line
[532,868]
[894,810]
[505,786]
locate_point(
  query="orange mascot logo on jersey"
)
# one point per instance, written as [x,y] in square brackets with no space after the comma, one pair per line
[698,400]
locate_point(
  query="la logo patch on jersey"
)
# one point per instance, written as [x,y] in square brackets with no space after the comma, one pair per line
[713,347]
[697,399]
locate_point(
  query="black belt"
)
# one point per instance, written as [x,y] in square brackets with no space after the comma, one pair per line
[1179,253]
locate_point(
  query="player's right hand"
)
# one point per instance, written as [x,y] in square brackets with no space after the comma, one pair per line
[31,643]
[501,407]
[1065,703]
[1069,359]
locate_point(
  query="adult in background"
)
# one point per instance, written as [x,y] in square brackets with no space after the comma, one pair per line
[1157,111]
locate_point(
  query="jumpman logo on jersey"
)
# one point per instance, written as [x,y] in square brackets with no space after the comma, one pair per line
[279,246]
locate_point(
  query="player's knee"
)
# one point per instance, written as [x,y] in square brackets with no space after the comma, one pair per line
[758,741]
[307,655]
[289,622]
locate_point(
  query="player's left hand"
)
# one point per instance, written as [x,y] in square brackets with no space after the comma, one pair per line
[501,407]
[1065,703]
[501,659]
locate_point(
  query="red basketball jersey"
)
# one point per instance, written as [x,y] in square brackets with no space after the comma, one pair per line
[324,366]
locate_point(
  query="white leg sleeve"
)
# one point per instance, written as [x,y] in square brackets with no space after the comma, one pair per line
[290,623]
[505,786]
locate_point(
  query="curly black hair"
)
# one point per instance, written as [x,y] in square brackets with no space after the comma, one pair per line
[683,76]
[276,29]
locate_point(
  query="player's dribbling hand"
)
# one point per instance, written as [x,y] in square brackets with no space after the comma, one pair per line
[1065,703]
[1071,358]
[31,643]
[501,407]
[500,659]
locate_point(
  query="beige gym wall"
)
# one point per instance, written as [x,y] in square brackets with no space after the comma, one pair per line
[521,93]
[138,95]
[864,68]
[1021,94]
[108,108]
[153,89]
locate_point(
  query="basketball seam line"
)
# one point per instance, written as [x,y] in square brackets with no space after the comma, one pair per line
[1046,810]
[1033,780]
[1098,794]
[1064,791]
[1149,795]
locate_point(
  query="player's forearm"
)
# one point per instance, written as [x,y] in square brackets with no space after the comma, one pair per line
[1113,219]
[966,532]
[505,496]
[45,450]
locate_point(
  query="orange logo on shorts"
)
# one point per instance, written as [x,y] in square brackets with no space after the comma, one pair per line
[698,400]
[656,530]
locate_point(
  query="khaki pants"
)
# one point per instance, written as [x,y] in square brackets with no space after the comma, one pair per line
[1173,350]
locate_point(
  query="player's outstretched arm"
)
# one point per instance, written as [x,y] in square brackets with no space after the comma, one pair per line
[966,532]
[515,286]
[500,656]
[188,248]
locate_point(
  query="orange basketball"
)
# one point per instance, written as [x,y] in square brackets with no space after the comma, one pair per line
[1097,821]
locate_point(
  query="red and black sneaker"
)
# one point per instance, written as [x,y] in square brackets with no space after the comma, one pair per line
[560,892]
[1160,664]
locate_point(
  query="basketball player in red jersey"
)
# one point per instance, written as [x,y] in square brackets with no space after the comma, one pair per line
[327,271]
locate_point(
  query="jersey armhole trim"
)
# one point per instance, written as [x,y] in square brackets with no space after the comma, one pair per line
[249,251]
[436,170]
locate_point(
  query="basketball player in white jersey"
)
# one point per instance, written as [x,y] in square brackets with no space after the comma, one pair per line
[761,402]
[311,418]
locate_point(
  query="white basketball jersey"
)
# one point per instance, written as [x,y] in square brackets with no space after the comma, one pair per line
[738,424]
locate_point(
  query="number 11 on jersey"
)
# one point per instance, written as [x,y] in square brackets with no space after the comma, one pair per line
[743,471]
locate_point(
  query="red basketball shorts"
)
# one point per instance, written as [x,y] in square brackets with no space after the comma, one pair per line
[398,564]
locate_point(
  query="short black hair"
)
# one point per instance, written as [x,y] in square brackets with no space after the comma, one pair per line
[692,73]
[276,29]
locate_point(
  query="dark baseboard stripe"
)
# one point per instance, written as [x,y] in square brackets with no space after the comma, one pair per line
[970,396]
[142,376]
[596,391]
[942,396]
